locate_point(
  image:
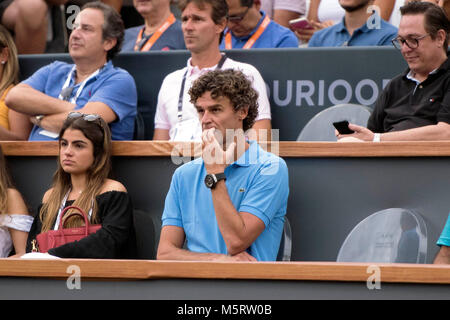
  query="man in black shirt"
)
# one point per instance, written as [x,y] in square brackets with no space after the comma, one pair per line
[416,104]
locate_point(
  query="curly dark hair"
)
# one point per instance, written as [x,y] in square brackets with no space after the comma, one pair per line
[232,84]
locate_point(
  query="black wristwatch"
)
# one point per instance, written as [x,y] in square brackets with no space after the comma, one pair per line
[212,179]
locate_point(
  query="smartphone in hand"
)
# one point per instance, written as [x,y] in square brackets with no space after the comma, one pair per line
[300,24]
[342,127]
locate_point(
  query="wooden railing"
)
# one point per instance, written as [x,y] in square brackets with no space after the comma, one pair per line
[283,148]
[152,269]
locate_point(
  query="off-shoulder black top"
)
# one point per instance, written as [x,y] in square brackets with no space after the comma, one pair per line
[114,240]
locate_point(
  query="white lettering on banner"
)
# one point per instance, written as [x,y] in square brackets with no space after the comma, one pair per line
[346,86]
[304,95]
[374,21]
[74,10]
[276,95]
[311,93]
[74,280]
[360,85]
[374,280]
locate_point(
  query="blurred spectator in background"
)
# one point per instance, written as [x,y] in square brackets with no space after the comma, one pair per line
[28,20]
[324,13]
[13,125]
[248,27]
[161,30]
[361,26]
[445,4]
[282,11]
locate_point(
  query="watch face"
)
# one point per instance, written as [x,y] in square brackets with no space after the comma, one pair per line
[209,181]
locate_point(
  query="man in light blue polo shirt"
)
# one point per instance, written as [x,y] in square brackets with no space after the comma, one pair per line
[91,85]
[230,203]
[361,26]
[443,256]
[248,28]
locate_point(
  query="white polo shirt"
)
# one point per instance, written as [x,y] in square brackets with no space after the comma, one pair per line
[166,116]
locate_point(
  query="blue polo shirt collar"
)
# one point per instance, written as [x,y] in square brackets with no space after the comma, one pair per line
[249,157]
[341,26]
[107,66]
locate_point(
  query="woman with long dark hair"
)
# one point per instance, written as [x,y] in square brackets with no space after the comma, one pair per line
[82,180]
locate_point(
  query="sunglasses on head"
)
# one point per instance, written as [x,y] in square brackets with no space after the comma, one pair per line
[85,116]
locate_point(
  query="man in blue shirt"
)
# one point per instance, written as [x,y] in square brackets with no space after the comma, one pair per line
[230,203]
[361,26]
[248,27]
[91,85]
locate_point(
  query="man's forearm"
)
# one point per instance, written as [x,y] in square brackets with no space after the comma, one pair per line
[185,255]
[440,131]
[443,256]
[54,122]
[7,135]
[23,98]
[238,236]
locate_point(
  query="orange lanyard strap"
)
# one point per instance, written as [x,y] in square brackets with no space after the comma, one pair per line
[252,39]
[151,41]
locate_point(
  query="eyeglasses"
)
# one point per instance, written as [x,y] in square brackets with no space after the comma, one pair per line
[87,117]
[410,42]
[238,17]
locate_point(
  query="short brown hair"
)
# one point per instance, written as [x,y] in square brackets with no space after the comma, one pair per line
[232,84]
[435,18]
[219,9]
[113,26]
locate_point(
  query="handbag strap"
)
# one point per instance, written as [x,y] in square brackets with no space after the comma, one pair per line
[79,213]
[61,210]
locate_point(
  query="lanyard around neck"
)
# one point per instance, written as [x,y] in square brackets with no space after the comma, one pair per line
[250,42]
[80,89]
[183,82]
[146,43]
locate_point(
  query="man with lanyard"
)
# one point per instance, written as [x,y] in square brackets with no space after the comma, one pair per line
[229,204]
[361,26]
[176,119]
[248,27]
[91,85]
[161,30]
[414,105]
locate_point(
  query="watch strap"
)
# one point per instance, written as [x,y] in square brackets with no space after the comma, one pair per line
[212,179]
[220,176]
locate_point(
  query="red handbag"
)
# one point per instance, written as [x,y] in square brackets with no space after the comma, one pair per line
[55,238]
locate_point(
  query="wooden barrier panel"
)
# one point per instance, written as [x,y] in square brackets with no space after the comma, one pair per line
[220,280]
[282,148]
[333,186]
